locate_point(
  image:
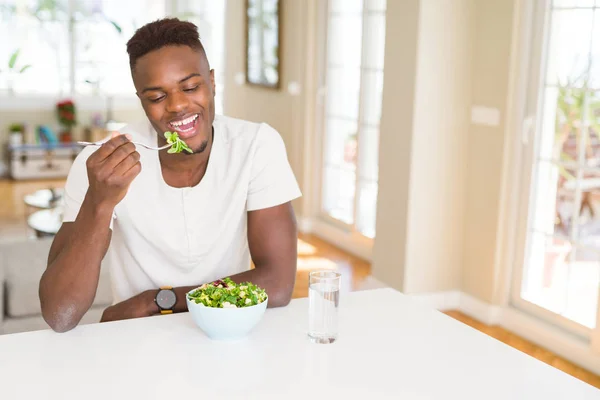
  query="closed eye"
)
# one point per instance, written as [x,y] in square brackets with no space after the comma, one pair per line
[192,89]
[156,99]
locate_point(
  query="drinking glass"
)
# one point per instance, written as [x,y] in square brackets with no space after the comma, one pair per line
[323,300]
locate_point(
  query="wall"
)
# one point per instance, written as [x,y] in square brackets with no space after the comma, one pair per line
[419,244]
[279,108]
[437,181]
[490,81]
[395,142]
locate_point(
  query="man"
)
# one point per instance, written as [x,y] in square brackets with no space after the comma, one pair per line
[173,220]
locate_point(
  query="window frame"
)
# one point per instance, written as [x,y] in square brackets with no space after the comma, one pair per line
[345,235]
[526,114]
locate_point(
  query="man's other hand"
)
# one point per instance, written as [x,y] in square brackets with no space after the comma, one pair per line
[138,306]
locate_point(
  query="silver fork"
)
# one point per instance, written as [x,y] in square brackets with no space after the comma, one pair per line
[136,143]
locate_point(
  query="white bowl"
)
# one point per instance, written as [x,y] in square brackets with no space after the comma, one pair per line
[225,323]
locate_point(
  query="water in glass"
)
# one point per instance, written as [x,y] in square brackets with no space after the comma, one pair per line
[323,298]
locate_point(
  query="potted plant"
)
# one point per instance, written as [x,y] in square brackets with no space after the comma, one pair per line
[67,119]
[15,132]
[13,70]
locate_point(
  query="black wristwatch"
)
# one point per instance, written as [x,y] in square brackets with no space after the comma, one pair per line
[166,299]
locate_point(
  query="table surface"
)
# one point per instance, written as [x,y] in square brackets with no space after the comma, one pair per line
[43,198]
[390,347]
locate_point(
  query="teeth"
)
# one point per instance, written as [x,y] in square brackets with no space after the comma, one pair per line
[185,121]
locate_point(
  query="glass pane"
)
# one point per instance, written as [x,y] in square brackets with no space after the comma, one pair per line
[562,278]
[372,94]
[340,143]
[563,137]
[548,129]
[566,126]
[343,86]
[346,6]
[209,16]
[367,208]
[369,153]
[40,35]
[376,5]
[345,40]
[374,41]
[577,220]
[595,51]
[98,36]
[338,193]
[555,208]
[570,46]
[552,204]
[572,3]
[588,220]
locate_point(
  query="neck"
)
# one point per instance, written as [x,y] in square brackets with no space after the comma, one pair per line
[183,170]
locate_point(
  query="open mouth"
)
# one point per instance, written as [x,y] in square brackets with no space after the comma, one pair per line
[186,126]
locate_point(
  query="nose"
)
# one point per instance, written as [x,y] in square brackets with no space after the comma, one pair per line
[177,102]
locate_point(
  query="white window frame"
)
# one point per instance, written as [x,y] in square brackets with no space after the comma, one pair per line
[344,235]
[525,112]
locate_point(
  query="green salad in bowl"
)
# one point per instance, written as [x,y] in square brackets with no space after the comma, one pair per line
[227,294]
[225,310]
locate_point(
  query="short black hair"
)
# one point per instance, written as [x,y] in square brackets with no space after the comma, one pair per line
[160,33]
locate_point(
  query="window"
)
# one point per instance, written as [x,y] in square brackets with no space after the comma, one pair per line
[78,46]
[354,81]
[558,275]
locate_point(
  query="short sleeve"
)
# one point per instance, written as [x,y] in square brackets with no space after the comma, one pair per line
[76,186]
[272,181]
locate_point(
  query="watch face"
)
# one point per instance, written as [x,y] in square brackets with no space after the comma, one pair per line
[166,299]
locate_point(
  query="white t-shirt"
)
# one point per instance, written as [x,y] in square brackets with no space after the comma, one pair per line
[163,235]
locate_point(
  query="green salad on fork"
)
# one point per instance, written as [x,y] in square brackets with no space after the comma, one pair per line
[177,145]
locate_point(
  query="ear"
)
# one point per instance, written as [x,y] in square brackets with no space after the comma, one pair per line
[212,81]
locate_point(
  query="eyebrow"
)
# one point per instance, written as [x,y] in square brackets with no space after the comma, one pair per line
[149,89]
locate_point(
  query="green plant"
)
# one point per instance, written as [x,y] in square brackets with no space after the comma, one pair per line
[16,128]
[576,125]
[577,120]
[12,63]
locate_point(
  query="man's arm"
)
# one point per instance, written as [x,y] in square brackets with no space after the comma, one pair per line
[68,286]
[273,241]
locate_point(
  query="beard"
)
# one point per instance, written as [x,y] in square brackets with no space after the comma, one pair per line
[198,149]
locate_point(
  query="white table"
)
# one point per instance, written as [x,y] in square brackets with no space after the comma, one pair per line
[390,347]
[45,198]
[46,222]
